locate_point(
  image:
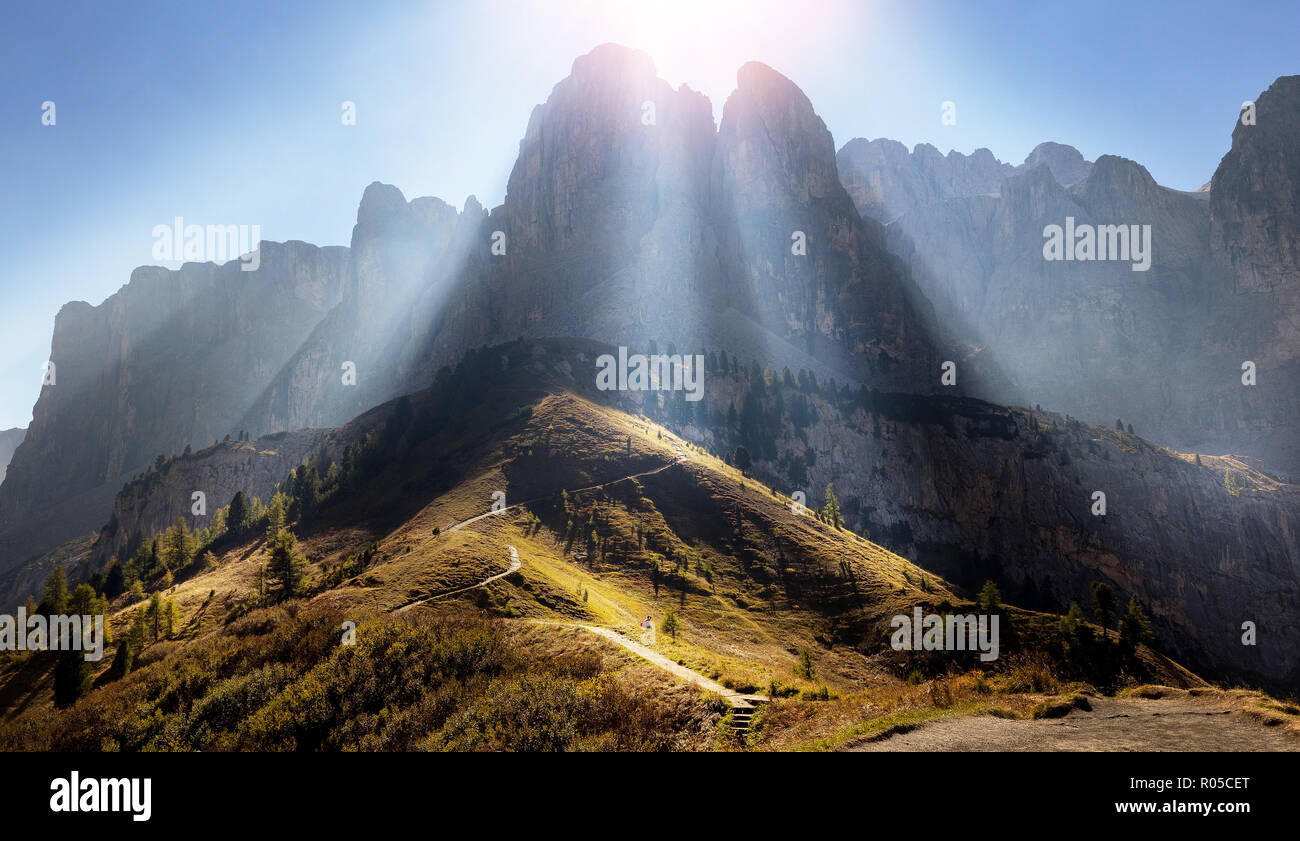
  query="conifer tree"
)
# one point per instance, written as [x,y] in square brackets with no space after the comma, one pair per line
[239,518]
[670,625]
[54,598]
[989,598]
[831,509]
[285,567]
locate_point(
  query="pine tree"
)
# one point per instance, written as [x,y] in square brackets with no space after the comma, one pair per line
[115,580]
[83,601]
[239,519]
[1072,620]
[275,516]
[179,545]
[153,615]
[138,631]
[831,509]
[670,624]
[123,660]
[171,619]
[989,599]
[54,598]
[805,667]
[306,490]
[284,567]
[743,460]
[1133,627]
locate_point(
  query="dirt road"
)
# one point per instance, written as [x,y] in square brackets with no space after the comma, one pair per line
[1114,724]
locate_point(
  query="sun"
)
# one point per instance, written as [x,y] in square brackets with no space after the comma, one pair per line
[702,43]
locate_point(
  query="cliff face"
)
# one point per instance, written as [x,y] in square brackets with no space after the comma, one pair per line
[1162,349]
[150,504]
[9,441]
[170,360]
[629,219]
[404,258]
[605,229]
[1255,234]
[844,300]
[1255,196]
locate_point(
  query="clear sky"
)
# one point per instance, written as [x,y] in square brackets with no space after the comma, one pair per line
[229,112]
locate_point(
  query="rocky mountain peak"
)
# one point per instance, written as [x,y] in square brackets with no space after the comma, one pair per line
[379,204]
[1066,162]
[773,139]
[614,63]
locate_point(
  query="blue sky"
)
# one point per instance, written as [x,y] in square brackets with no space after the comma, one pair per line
[229,112]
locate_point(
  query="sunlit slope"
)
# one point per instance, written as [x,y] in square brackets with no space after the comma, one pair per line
[752,582]
[616,519]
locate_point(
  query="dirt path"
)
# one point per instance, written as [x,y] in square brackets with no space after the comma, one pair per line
[515,561]
[735,698]
[1114,724]
[515,564]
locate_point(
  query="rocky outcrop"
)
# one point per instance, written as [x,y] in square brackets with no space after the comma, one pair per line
[1255,237]
[1255,198]
[147,506]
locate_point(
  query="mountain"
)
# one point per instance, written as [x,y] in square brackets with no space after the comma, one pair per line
[630,220]
[628,224]
[9,441]
[1162,349]
[669,232]
[168,362]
